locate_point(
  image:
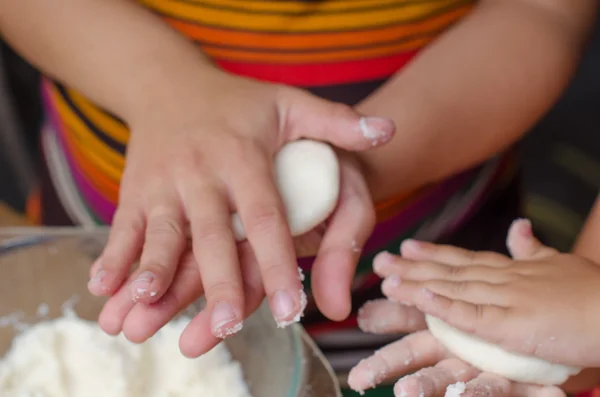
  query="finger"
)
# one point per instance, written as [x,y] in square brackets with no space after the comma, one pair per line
[407,355]
[386,265]
[122,249]
[523,245]
[348,230]
[489,385]
[143,321]
[263,217]
[216,254]
[450,255]
[476,319]
[474,292]
[433,382]
[336,123]
[163,246]
[383,316]
[197,339]
[115,310]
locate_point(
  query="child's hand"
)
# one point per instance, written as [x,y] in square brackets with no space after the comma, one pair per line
[542,303]
[189,166]
[432,369]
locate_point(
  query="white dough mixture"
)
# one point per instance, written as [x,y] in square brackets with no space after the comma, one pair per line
[70,357]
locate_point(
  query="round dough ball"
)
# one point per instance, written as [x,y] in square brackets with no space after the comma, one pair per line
[491,358]
[307,175]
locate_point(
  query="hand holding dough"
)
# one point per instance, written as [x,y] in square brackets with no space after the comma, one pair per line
[307,175]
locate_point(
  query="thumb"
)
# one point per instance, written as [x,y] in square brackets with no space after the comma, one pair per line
[307,116]
[523,245]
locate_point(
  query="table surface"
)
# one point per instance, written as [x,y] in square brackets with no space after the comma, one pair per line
[9,217]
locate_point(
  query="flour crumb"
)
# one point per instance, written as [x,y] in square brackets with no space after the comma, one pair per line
[43,310]
[301,275]
[455,390]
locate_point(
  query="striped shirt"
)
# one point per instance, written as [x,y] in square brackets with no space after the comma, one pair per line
[341,50]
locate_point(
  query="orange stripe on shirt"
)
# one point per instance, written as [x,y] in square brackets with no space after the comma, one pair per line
[294,7]
[403,13]
[313,41]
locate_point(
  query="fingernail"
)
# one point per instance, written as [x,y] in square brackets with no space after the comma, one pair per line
[392,281]
[525,228]
[368,373]
[284,308]
[376,129]
[427,293]
[98,277]
[283,305]
[382,260]
[96,283]
[224,321]
[413,246]
[371,322]
[142,286]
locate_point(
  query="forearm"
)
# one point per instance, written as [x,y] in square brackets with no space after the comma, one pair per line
[476,90]
[588,247]
[114,51]
[587,244]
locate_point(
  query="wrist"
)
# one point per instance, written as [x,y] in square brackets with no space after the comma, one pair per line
[172,87]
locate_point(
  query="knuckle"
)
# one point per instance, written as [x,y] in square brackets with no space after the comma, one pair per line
[156,266]
[479,313]
[226,289]
[208,230]
[274,273]
[164,224]
[127,221]
[455,272]
[263,218]
[459,288]
[245,150]
[188,159]
[470,257]
[490,257]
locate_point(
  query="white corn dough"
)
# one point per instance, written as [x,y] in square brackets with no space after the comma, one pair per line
[491,358]
[307,175]
[70,357]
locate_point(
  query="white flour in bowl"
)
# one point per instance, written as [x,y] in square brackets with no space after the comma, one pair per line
[71,357]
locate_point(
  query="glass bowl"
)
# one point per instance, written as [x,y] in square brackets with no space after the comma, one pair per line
[46,267]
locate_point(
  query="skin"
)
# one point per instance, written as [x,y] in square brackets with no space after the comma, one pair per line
[190,163]
[435,368]
[493,297]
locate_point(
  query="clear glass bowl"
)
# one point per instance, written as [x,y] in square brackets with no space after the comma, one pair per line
[46,267]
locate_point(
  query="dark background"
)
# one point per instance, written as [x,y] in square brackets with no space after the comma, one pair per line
[561,156]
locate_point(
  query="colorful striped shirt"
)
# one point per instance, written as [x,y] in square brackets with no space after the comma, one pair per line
[341,50]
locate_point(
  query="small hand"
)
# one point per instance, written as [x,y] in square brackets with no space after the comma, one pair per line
[432,369]
[541,303]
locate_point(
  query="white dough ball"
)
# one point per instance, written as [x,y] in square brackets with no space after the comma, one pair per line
[491,358]
[307,175]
